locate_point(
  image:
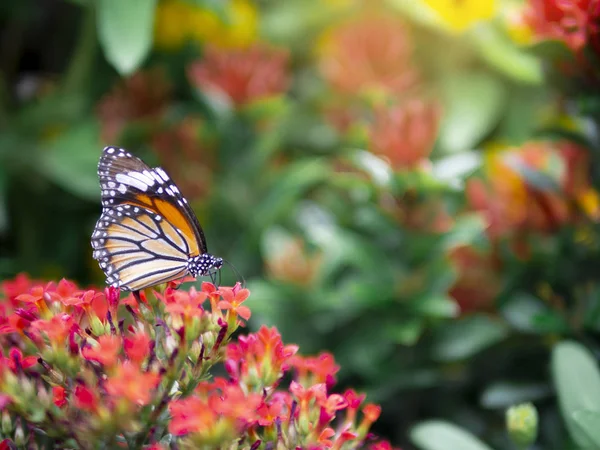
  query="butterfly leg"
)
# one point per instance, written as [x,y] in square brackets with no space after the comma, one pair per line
[136,294]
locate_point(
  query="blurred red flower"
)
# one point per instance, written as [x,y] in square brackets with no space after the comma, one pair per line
[405,134]
[130,382]
[371,52]
[187,155]
[243,75]
[510,202]
[478,282]
[571,21]
[144,95]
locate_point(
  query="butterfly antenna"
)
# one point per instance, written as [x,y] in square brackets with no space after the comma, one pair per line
[239,275]
[213,278]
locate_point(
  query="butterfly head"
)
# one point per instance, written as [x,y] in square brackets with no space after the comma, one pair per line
[204,264]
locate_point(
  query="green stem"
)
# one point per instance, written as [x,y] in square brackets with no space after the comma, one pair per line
[80,68]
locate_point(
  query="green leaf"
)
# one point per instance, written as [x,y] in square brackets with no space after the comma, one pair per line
[505,394]
[474,103]
[521,311]
[454,169]
[502,54]
[406,332]
[577,381]
[436,305]
[3,206]
[125,32]
[290,185]
[440,435]
[589,423]
[71,160]
[464,338]
[467,229]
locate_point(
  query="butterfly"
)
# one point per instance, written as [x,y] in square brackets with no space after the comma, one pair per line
[147,233]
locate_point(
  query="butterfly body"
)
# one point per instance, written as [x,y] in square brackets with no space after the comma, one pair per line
[147,233]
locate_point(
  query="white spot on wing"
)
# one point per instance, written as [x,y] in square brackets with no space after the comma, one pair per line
[131,181]
[162,174]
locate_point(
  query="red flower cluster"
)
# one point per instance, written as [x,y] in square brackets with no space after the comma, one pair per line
[89,369]
[574,22]
[243,76]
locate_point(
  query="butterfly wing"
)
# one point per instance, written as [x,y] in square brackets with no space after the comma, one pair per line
[147,232]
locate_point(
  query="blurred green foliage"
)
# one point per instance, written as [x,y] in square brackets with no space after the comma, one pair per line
[417,198]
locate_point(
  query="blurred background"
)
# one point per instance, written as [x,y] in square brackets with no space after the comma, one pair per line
[410,185]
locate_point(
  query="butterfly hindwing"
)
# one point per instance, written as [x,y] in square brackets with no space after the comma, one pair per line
[147,232]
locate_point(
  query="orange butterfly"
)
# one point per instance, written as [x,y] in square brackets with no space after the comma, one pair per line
[147,233]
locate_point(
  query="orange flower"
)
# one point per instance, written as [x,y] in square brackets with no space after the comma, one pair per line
[370,52]
[233,299]
[131,383]
[106,352]
[242,75]
[404,135]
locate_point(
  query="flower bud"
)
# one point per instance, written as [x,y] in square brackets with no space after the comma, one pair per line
[20,439]
[97,326]
[522,424]
[6,424]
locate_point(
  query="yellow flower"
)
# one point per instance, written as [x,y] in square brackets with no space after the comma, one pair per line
[516,26]
[170,31]
[459,15]
[178,21]
[590,203]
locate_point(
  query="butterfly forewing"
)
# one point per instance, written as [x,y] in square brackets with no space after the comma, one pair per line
[147,232]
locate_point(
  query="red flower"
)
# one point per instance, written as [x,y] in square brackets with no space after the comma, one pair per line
[381,445]
[131,383]
[269,412]
[57,329]
[106,352]
[21,284]
[371,412]
[143,96]
[7,444]
[82,299]
[242,75]
[233,299]
[137,347]
[59,396]
[571,21]
[39,296]
[188,304]
[85,398]
[404,135]
[324,437]
[478,282]
[322,367]
[189,415]
[370,52]
[16,361]
[66,288]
